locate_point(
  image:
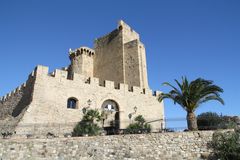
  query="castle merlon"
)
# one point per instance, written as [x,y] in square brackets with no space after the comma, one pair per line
[81,50]
[62,74]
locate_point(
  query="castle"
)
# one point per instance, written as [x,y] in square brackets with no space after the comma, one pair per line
[111,77]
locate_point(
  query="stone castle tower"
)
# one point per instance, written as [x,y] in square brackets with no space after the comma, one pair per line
[118,56]
[112,77]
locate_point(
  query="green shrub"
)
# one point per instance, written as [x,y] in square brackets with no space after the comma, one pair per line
[139,126]
[226,145]
[208,121]
[88,125]
[228,122]
[86,128]
[213,121]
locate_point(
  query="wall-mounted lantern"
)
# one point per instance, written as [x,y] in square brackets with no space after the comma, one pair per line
[89,102]
[131,114]
[135,109]
[84,110]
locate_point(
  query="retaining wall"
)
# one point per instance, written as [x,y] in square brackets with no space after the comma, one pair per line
[172,146]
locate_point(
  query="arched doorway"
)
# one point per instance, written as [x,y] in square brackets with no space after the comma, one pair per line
[111,120]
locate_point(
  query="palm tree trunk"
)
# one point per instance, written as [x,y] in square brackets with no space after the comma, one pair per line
[192,121]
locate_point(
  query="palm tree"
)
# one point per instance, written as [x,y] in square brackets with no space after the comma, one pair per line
[87,125]
[92,115]
[191,95]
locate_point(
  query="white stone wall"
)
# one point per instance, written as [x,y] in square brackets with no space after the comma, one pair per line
[51,92]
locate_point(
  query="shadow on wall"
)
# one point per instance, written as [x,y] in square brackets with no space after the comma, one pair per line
[15,105]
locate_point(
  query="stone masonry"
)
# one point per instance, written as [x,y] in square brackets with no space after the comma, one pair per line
[113,75]
[159,146]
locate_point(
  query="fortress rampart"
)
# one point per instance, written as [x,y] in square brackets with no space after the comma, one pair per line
[62,74]
[20,88]
[14,104]
[112,75]
[47,93]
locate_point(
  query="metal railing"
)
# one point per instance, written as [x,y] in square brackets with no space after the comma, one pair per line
[115,127]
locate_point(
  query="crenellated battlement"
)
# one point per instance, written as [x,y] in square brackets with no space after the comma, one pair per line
[20,88]
[81,50]
[14,92]
[62,74]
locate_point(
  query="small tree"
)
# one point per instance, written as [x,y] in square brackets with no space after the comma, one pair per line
[140,126]
[88,125]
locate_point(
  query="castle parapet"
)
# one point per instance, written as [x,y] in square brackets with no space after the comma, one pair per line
[12,93]
[60,74]
[137,89]
[109,84]
[41,70]
[94,81]
[79,77]
[81,50]
[156,93]
[148,92]
[124,87]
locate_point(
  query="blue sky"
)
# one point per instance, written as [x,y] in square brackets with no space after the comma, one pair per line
[193,38]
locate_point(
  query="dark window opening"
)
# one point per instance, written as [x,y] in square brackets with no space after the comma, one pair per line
[72,103]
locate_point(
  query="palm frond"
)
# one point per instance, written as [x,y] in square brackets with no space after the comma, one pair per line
[211,97]
[168,84]
[175,97]
[179,84]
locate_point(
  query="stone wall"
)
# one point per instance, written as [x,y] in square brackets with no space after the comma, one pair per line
[14,104]
[42,101]
[143,65]
[163,146]
[108,60]
[132,64]
[49,102]
[135,62]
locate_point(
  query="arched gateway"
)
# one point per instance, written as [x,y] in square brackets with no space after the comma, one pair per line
[111,120]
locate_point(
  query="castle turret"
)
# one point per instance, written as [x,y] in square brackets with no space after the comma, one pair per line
[81,61]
